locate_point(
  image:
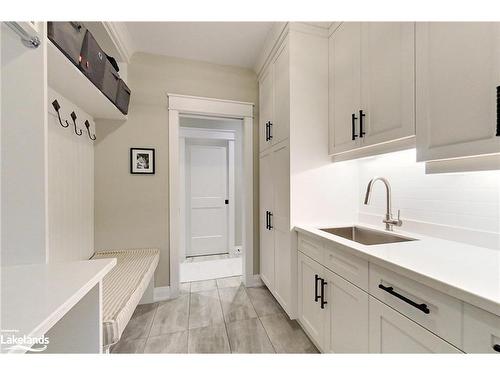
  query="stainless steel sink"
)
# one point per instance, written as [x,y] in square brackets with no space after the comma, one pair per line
[367,236]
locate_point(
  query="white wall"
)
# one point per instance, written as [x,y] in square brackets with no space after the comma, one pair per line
[23,148]
[70,184]
[461,206]
[132,210]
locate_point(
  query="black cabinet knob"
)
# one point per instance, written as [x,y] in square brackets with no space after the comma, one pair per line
[496,348]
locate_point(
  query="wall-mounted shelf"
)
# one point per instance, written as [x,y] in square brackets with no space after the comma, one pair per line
[69,81]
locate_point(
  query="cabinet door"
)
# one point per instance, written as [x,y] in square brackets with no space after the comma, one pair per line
[344,77]
[265,107]
[280,222]
[281,119]
[346,318]
[457,72]
[387,81]
[310,313]
[391,332]
[266,204]
[481,331]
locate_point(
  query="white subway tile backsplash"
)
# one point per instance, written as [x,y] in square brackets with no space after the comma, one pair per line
[464,201]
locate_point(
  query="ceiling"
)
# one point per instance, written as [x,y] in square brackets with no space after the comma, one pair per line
[226,43]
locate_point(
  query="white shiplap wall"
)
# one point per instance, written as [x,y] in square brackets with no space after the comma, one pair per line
[70,184]
[458,206]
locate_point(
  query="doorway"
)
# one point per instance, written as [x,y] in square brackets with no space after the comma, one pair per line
[204,236]
[211,166]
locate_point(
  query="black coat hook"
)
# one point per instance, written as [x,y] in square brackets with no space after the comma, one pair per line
[57,107]
[73,117]
[87,125]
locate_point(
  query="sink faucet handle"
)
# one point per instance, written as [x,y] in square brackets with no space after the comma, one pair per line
[399,222]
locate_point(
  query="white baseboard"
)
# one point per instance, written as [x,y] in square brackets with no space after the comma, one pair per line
[161,293]
[253,281]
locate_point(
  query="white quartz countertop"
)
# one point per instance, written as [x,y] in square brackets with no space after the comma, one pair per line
[466,272]
[35,297]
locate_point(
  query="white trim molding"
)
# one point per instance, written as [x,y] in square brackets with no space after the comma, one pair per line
[119,35]
[161,293]
[182,105]
[253,281]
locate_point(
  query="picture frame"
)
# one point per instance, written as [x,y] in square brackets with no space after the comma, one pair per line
[142,161]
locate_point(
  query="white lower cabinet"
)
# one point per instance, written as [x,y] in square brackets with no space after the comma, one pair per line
[333,311]
[310,313]
[481,331]
[346,317]
[391,332]
[349,305]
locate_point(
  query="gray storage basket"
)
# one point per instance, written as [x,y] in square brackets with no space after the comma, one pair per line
[93,60]
[122,97]
[68,37]
[110,81]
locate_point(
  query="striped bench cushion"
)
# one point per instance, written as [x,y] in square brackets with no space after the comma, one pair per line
[123,287]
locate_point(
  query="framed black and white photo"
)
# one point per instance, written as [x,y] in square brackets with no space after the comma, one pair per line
[142,160]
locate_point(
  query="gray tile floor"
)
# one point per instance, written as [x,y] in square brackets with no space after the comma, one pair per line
[214,316]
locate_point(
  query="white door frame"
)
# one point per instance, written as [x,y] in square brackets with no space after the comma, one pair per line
[179,105]
[216,134]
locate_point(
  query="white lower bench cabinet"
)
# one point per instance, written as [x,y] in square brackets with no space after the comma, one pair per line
[333,311]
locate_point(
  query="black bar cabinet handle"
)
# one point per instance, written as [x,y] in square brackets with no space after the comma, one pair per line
[270,130]
[361,131]
[316,295]
[496,348]
[353,124]
[498,111]
[270,220]
[267,219]
[323,302]
[389,289]
[267,131]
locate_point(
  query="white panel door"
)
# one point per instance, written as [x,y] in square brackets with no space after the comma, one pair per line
[391,332]
[387,81]
[281,124]
[266,108]
[207,174]
[344,77]
[310,313]
[457,75]
[265,208]
[346,325]
[280,222]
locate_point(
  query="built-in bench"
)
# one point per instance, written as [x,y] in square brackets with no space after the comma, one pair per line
[123,288]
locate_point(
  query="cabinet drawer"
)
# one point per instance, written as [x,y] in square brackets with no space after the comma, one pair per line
[443,314]
[349,266]
[312,247]
[481,331]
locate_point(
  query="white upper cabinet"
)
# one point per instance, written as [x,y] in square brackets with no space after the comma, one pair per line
[344,76]
[458,72]
[274,99]
[372,79]
[281,124]
[387,81]
[265,108]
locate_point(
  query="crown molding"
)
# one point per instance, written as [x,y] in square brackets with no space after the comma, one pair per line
[120,36]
